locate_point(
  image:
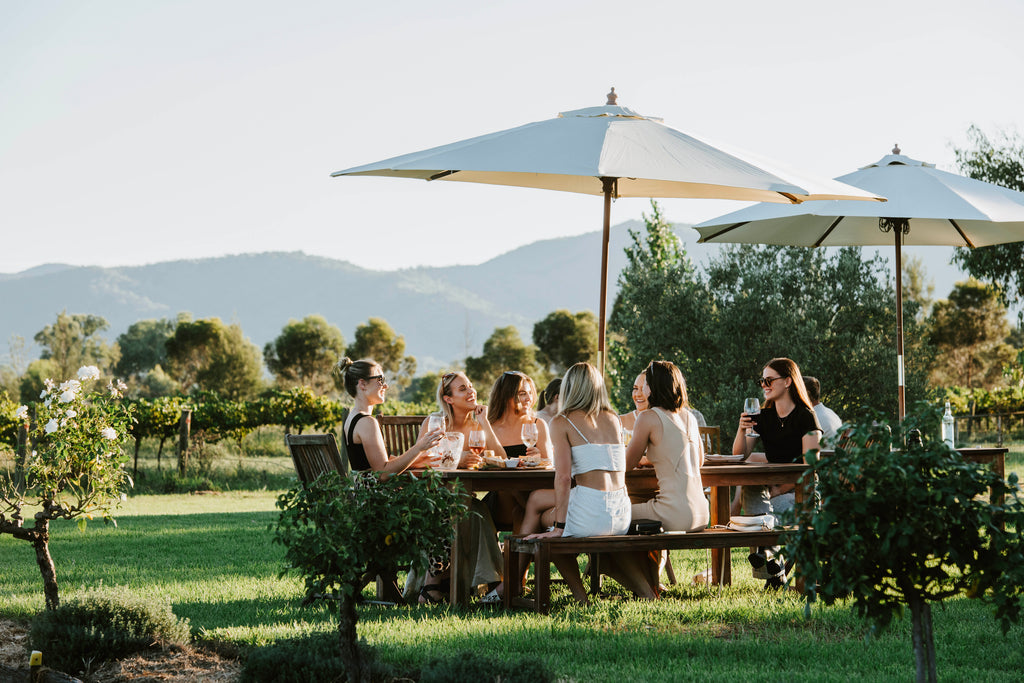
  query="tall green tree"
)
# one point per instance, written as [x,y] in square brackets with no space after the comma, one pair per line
[143,347]
[74,340]
[376,339]
[969,331]
[1001,162]
[304,353]
[563,339]
[503,350]
[207,355]
[659,299]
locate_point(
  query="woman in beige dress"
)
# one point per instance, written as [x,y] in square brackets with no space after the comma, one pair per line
[667,433]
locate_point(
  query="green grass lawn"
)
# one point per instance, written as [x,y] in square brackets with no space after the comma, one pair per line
[211,557]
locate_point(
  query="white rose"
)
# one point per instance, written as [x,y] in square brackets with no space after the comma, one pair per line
[108,433]
[71,413]
[88,372]
[51,426]
[70,385]
[21,413]
[68,396]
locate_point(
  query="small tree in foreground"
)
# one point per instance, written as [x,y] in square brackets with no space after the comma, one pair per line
[910,527]
[341,532]
[73,468]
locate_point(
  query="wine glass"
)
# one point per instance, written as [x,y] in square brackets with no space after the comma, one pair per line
[752,406]
[529,434]
[477,441]
[435,421]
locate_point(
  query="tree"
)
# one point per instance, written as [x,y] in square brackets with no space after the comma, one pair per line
[143,347]
[564,338]
[1000,162]
[659,297]
[340,532]
[206,355]
[909,527]
[304,353]
[73,341]
[503,350]
[376,339]
[916,286]
[969,331]
[75,469]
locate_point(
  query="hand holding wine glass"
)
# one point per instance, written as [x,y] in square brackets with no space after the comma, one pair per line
[751,407]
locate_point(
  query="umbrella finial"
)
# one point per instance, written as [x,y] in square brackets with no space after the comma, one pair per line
[896,148]
[612,97]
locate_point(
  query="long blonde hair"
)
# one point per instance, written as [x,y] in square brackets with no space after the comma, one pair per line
[583,389]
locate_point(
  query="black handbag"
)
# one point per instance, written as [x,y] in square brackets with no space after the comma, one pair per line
[644,527]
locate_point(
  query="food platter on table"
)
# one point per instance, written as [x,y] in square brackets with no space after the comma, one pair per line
[724,459]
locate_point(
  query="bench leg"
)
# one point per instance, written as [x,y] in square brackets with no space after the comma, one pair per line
[594,573]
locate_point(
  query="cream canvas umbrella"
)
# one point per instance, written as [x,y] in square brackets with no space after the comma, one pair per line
[611,151]
[925,206]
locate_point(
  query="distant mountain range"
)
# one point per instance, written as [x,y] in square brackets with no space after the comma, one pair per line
[444,313]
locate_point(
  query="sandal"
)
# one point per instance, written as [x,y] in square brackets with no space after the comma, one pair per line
[493,597]
[427,599]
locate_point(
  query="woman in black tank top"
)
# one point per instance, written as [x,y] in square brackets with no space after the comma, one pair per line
[365,382]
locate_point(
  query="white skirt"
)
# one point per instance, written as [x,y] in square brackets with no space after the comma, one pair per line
[593,512]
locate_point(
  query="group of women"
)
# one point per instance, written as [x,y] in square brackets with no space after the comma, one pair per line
[584,437]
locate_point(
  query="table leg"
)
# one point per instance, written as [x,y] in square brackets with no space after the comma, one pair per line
[721,560]
[542,573]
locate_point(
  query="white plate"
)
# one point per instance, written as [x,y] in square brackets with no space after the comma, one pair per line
[723,459]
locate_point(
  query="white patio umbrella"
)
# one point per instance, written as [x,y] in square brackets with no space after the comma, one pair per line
[925,206]
[610,151]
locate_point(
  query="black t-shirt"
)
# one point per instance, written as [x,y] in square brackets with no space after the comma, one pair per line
[783,437]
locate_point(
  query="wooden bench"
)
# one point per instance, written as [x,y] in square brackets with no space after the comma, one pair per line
[542,550]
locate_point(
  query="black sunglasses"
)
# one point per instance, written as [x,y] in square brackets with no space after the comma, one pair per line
[380,378]
[766,382]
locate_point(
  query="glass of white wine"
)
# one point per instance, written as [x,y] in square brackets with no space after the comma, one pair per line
[529,434]
[752,406]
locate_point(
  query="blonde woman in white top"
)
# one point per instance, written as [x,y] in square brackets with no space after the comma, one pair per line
[586,437]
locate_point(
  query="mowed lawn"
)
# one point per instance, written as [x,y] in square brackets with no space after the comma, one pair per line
[212,558]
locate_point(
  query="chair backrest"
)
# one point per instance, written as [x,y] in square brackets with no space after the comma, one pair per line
[712,438]
[315,454]
[400,431]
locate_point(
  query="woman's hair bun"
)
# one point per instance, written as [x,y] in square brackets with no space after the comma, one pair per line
[341,366]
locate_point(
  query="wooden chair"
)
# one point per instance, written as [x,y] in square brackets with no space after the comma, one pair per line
[712,438]
[317,454]
[400,431]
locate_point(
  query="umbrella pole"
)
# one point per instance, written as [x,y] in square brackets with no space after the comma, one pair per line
[607,184]
[899,323]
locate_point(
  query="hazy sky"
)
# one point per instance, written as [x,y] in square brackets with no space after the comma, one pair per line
[135,132]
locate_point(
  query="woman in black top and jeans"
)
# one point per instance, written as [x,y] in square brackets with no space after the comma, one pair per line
[788,428]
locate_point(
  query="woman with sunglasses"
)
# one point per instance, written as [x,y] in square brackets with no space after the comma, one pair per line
[365,382]
[456,398]
[787,428]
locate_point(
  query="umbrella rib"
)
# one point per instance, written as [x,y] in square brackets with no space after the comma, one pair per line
[442,174]
[829,231]
[723,231]
[961,233]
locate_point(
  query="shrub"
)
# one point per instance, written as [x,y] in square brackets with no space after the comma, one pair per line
[472,667]
[306,660]
[105,624]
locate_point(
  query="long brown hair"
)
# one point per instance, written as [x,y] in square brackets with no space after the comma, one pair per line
[667,385]
[797,391]
[505,390]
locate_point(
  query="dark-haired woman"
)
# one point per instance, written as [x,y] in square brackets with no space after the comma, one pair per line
[365,382]
[669,436]
[788,428]
[786,425]
[548,407]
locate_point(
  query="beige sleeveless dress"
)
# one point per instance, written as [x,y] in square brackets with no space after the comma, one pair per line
[680,503]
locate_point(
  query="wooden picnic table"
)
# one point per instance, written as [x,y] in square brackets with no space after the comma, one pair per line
[642,481]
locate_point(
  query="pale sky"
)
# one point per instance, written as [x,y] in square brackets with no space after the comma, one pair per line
[136,132]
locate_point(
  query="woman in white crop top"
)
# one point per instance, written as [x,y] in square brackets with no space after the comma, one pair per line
[587,446]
